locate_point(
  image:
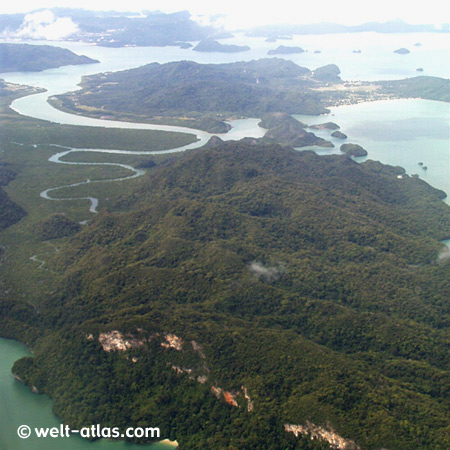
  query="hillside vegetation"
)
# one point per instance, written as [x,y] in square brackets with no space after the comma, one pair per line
[203,96]
[34,58]
[255,286]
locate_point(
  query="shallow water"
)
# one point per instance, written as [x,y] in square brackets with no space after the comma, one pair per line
[397,132]
[19,406]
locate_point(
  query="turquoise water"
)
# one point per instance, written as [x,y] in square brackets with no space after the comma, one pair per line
[19,406]
[397,132]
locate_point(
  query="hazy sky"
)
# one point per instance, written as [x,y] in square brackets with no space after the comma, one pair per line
[241,13]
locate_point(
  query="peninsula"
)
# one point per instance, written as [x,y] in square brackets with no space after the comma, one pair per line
[34,58]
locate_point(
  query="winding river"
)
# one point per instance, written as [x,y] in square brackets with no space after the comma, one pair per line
[393,132]
[37,106]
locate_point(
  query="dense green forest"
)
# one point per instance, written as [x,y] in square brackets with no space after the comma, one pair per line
[430,88]
[10,212]
[233,293]
[307,288]
[188,90]
[284,129]
[32,58]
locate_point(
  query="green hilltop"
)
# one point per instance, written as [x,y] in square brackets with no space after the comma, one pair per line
[34,58]
[252,286]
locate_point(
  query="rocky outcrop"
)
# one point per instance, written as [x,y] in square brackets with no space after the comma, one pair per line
[115,341]
[172,341]
[250,405]
[231,396]
[322,433]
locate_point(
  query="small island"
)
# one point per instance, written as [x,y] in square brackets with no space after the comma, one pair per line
[339,135]
[353,150]
[284,50]
[325,126]
[402,51]
[211,45]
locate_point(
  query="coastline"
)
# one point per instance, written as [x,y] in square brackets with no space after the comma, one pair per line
[173,444]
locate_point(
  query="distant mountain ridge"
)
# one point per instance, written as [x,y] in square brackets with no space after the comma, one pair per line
[117,29]
[154,28]
[393,26]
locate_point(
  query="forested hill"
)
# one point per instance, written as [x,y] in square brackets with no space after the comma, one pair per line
[31,58]
[10,212]
[187,88]
[203,96]
[246,288]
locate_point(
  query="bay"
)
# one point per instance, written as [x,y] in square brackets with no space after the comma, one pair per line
[396,132]
[19,406]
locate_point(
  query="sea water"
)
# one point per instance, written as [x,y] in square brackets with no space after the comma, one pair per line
[19,406]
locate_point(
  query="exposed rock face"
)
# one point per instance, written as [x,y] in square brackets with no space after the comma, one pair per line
[230,398]
[250,405]
[115,341]
[216,391]
[198,349]
[325,434]
[181,370]
[173,341]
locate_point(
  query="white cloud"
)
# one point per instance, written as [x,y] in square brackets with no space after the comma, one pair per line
[271,273]
[45,25]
